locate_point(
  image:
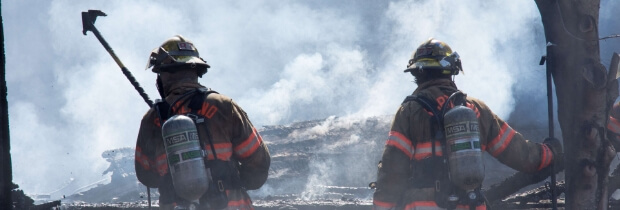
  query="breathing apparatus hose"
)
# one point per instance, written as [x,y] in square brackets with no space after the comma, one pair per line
[447,102]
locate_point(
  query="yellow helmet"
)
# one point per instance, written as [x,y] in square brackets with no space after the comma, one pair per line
[434,55]
[175,54]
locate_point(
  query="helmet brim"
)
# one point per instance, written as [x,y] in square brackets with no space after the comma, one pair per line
[425,63]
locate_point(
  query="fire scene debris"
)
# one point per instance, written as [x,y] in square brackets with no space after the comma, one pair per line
[297,180]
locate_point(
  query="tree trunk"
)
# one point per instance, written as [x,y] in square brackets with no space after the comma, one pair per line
[6,174]
[585,93]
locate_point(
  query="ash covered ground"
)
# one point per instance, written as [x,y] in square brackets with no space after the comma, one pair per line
[321,164]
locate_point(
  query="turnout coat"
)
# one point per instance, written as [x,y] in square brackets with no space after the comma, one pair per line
[234,137]
[409,141]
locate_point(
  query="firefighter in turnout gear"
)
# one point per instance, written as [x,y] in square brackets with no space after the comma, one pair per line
[613,126]
[208,146]
[424,164]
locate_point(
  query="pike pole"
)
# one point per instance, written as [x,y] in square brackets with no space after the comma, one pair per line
[554,201]
[88,24]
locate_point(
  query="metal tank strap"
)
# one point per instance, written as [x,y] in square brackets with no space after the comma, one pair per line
[195,104]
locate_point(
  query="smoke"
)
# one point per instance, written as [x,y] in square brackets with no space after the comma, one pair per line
[348,162]
[312,86]
[281,61]
[608,25]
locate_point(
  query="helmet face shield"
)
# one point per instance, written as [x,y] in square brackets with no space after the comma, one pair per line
[450,60]
[176,53]
[160,56]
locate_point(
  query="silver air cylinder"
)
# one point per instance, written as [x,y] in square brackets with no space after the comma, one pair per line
[185,157]
[463,145]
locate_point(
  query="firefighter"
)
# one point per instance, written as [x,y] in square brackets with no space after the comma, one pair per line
[613,126]
[415,170]
[233,151]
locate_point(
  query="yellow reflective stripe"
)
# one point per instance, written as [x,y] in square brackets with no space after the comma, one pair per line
[499,143]
[401,142]
[614,125]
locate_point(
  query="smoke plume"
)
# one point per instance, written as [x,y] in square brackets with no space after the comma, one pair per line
[283,62]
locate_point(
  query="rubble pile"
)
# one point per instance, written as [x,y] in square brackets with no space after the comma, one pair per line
[321,164]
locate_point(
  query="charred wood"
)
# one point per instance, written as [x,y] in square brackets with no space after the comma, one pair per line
[515,183]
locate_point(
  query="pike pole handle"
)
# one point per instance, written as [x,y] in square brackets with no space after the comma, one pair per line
[88,24]
[126,72]
[136,85]
[554,202]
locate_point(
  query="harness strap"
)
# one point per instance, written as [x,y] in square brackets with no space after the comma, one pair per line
[439,178]
[443,187]
[437,119]
[226,175]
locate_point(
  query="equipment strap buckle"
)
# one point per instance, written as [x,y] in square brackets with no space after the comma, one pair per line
[220,185]
[197,119]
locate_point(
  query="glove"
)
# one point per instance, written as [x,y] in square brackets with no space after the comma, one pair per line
[556,148]
[557,162]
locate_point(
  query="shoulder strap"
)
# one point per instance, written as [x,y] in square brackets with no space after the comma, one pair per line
[200,96]
[162,107]
[195,104]
[436,120]
[164,110]
[428,104]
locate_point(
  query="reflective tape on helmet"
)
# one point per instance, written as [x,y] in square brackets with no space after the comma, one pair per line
[186,46]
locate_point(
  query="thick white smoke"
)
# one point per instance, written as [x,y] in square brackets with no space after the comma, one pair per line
[281,61]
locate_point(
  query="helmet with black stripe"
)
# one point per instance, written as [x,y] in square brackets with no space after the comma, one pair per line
[177,53]
[434,56]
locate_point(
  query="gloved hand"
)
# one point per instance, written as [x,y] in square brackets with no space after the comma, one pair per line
[557,162]
[556,148]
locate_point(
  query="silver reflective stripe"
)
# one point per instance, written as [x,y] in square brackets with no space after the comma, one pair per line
[401,142]
[502,139]
[218,151]
[245,149]
[222,152]
[428,150]
[613,125]
[382,208]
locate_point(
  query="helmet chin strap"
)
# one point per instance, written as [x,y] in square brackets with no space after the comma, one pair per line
[160,87]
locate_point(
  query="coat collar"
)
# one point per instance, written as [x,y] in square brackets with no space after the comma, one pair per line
[435,83]
[178,89]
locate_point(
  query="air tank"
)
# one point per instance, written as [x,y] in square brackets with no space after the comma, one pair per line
[463,146]
[185,157]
